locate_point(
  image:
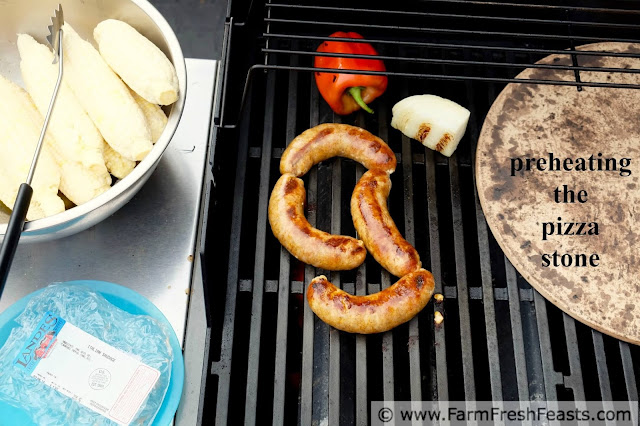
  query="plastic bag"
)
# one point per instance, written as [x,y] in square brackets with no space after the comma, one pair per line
[140,336]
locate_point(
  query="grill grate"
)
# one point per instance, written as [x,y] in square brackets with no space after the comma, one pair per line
[412,41]
[445,23]
[273,360]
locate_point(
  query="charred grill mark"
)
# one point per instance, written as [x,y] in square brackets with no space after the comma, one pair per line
[330,140]
[377,212]
[319,284]
[340,242]
[304,242]
[336,241]
[375,146]
[408,287]
[443,142]
[357,250]
[309,145]
[307,229]
[371,211]
[290,186]
[298,220]
[296,215]
[292,213]
[321,135]
[419,281]
[380,232]
[423,132]
[336,301]
[346,303]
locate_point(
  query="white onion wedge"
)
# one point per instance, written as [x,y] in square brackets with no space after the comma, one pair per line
[436,122]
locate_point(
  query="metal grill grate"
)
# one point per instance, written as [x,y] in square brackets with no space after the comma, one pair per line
[272,360]
[557,30]
[476,40]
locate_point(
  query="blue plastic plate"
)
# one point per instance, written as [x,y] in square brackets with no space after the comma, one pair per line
[127,300]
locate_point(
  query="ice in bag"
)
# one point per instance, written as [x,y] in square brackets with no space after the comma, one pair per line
[136,345]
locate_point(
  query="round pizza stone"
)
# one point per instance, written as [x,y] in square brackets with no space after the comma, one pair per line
[531,121]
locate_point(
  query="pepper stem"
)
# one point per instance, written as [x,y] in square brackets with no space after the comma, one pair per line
[356,93]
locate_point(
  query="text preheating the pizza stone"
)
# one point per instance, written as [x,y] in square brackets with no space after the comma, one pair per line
[564,194]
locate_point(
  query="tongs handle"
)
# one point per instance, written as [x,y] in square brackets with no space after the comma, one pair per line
[14,229]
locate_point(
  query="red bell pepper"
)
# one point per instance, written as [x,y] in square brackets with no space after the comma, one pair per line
[346,93]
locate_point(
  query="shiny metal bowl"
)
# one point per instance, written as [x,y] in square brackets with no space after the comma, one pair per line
[32,17]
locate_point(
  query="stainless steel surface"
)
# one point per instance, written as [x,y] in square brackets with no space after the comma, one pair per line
[149,244]
[30,16]
[196,352]
[198,332]
[55,37]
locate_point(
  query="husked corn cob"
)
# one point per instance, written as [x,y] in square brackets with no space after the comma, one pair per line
[20,125]
[76,144]
[116,163]
[156,119]
[106,98]
[137,61]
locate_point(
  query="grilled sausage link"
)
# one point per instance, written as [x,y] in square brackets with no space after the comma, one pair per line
[336,140]
[374,313]
[308,244]
[376,227]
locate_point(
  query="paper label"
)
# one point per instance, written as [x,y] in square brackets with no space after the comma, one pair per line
[83,367]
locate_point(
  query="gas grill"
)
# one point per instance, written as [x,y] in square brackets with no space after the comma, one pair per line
[270,360]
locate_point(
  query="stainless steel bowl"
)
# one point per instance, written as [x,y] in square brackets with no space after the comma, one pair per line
[32,17]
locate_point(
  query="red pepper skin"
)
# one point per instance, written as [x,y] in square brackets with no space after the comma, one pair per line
[334,87]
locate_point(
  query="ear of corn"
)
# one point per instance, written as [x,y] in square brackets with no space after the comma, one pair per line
[21,123]
[106,98]
[156,119]
[139,62]
[116,163]
[76,144]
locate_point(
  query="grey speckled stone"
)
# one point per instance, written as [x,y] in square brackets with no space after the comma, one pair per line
[199,25]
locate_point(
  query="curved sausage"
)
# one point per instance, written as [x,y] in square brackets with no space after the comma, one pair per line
[376,227]
[308,244]
[374,313]
[336,140]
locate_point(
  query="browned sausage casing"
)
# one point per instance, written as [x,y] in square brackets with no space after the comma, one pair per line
[374,313]
[376,227]
[336,140]
[308,244]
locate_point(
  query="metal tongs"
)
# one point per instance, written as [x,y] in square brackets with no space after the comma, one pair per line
[19,212]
